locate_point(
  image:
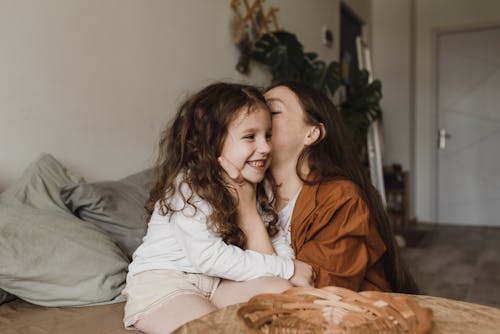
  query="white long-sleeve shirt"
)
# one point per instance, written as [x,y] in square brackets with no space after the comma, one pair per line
[183,242]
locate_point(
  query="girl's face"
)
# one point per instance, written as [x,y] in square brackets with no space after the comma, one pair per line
[289,129]
[247,144]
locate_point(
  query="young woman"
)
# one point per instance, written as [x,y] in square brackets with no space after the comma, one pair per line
[203,248]
[334,216]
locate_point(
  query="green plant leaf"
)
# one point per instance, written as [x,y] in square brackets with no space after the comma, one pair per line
[284,56]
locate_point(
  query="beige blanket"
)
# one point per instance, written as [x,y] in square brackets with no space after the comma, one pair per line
[19,317]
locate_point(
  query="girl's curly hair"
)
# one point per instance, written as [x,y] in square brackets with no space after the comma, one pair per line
[189,147]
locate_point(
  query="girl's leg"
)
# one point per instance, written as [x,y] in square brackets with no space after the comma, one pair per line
[175,313]
[231,292]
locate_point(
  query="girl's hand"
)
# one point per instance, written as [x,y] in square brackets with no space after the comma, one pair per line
[249,219]
[231,170]
[244,191]
[303,275]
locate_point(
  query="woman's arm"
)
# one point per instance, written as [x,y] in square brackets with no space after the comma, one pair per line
[338,245]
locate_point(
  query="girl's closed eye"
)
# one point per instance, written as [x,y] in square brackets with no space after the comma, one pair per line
[250,136]
[268,136]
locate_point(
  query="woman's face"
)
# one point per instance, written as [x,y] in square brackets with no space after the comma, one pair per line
[289,128]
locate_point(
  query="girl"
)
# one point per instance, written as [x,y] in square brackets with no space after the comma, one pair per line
[334,215]
[203,247]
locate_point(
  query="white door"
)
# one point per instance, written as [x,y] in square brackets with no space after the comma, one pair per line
[469,111]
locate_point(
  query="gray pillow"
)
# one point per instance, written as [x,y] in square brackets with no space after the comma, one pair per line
[49,256]
[6,297]
[115,206]
[39,184]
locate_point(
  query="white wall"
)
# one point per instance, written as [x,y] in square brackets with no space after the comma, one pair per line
[94,81]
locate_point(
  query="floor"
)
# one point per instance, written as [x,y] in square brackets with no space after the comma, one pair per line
[455,262]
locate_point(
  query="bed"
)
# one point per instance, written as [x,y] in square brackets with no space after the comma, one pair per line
[20,317]
[65,246]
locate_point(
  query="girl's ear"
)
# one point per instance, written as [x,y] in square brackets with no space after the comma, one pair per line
[316,133]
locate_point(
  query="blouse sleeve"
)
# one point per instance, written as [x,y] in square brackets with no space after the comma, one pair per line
[210,255]
[281,245]
[338,249]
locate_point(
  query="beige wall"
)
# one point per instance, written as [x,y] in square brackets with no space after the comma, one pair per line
[306,19]
[94,81]
[363,9]
[391,64]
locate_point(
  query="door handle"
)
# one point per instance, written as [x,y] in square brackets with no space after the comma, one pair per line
[442,137]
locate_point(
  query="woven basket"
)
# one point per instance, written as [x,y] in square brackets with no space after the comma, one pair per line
[334,310]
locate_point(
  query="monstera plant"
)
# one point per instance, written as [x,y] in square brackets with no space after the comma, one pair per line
[284,56]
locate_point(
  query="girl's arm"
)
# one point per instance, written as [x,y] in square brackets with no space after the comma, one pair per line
[258,238]
[210,255]
[252,224]
[249,219]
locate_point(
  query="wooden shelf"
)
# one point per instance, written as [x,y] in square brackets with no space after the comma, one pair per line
[396,184]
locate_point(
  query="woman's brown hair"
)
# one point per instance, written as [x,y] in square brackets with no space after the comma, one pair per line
[189,149]
[333,156]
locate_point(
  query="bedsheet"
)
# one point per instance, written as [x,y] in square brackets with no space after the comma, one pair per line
[19,317]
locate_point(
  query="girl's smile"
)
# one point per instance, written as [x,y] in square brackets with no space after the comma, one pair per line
[247,145]
[259,165]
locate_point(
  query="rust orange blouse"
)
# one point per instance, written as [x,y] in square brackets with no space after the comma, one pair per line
[331,230]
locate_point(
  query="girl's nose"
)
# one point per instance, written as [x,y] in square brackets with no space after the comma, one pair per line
[264,147]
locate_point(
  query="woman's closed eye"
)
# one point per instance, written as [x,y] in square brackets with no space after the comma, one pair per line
[274,107]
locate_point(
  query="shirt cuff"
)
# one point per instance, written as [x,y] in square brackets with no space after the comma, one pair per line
[288,268]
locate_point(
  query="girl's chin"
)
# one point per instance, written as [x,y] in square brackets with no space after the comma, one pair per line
[254,180]
[253,177]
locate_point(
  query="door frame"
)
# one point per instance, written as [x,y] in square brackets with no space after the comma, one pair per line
[436,34]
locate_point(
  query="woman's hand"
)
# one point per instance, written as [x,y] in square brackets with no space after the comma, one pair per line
[303,275]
